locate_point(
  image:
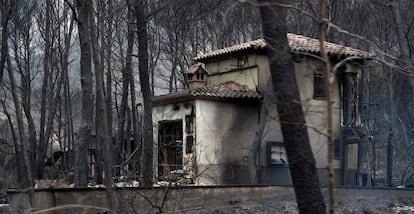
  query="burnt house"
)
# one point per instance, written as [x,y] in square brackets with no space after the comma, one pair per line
[205,131]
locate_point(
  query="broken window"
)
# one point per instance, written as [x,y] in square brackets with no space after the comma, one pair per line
[319,84]
[170,147]
[276,153]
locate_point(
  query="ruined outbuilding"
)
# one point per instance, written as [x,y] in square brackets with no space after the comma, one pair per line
[204,133]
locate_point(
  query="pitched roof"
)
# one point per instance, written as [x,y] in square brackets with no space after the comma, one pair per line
[297,43]
[227,91]
[194,68]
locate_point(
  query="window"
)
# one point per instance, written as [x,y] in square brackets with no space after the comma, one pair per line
[242,61]
[190,144]
[189,124]
[170,146]
[319,84]
[276,153]
[337,149]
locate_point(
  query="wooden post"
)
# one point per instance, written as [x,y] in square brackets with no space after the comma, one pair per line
[389,158]
[344,163]
[358,172]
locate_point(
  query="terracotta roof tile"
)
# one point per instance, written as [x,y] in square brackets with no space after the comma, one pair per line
[297,43]
[225,91]
[194,68]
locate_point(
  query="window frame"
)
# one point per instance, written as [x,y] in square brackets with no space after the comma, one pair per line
[277,144]
[319,92]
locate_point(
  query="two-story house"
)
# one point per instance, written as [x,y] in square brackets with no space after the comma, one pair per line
[206,130]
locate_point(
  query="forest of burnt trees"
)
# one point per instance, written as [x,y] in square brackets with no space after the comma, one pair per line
[73,72]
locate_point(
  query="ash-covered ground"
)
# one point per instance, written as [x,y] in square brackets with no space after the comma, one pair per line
[367,205]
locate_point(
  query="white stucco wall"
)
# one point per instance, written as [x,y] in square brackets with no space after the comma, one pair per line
[224,131]
[314,110]
[223,137]
[231,63]
[245,76]
[233,69]
[223,134]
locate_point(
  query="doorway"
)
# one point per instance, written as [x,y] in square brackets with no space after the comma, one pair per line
[170,147]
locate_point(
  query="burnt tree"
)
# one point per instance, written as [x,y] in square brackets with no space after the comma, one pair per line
[84,135]
[101,111]
[301,161]
[5,17]
[147,162]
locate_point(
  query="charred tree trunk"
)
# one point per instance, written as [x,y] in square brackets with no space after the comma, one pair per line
[131,78]
[329,85]
[406,61]
[389,158]
[22,60]
[135,127]
[405,53]
[147,163]
[5,17]
[101,111]
[108,96]
[300,157]
[23,147]
[84,133]
[123,135]
[17,151]
[108,58]
[68,125]
[26,104]
[42,145]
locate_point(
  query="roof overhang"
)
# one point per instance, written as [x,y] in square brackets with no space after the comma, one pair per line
[298,44]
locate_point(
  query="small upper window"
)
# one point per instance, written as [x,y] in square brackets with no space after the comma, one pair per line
[319,85]
[242,61]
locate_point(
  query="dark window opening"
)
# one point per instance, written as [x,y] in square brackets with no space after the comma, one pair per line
[189,124]
[189,144]
[242,61]
[319,85]
[170,147]
[176,107]
[198,76]
[202,76]
[190,77]
[337,149]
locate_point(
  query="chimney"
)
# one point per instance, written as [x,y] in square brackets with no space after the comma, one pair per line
[196,76]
